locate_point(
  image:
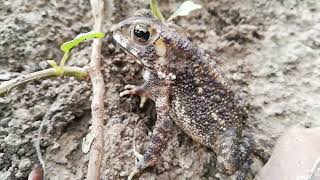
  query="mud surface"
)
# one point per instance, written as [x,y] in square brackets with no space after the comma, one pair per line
[269,51]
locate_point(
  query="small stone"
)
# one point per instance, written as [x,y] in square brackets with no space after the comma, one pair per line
[22,113]
[127,144]
[18,174]
[5,77]
[25,127]
[24,164]
[123,174]
[5,175]
[214,116]
[3,131]
[36,124]
[4,122]
[217,98]
[13,140]
[21,151]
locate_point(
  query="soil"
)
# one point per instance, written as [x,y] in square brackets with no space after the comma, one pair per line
[269,51]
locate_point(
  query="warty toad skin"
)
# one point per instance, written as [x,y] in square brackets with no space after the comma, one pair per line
[188,91]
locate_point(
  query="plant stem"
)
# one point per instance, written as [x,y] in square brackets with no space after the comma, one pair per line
[64,59]
[6,86]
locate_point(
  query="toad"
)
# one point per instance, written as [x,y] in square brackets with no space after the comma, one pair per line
[189,92]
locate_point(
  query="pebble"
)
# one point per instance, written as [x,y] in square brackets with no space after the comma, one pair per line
[24,164]
[13,140]
[123,174]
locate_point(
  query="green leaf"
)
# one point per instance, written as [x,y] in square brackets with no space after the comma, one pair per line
[68,46]
[184,9]
[156,11]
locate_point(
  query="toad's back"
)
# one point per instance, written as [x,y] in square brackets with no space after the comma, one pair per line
[202,103]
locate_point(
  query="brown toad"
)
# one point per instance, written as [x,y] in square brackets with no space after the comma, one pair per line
[188,90]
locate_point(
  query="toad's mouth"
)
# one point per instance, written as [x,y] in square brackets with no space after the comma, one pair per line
[131,55]
[122,43]
[129,51]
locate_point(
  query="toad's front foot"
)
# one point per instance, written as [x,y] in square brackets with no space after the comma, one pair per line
[136,90]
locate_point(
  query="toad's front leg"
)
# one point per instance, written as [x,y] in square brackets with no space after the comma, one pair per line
[141,91]
[159,136]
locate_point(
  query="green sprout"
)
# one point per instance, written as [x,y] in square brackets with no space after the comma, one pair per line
[68,46]
[183,10]
[56,70]
[156,11]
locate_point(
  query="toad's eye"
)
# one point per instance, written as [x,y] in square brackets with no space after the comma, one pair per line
[141,33]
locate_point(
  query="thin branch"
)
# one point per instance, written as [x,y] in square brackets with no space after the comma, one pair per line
[7,86]
[97,105]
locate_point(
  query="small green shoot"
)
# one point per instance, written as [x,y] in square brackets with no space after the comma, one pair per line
[64,59]
[68,46]
[183,10]
[156,11]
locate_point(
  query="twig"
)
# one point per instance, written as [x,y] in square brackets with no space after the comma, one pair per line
[6,86]
[97,105]
[38,150]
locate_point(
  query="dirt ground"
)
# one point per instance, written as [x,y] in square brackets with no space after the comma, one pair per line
[269,51]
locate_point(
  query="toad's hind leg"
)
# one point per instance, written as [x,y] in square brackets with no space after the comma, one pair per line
[245,153]
[159,136]
[234,154]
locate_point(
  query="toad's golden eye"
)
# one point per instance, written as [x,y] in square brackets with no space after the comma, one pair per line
[141,33]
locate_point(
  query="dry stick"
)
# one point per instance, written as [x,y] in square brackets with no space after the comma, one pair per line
[97,105]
